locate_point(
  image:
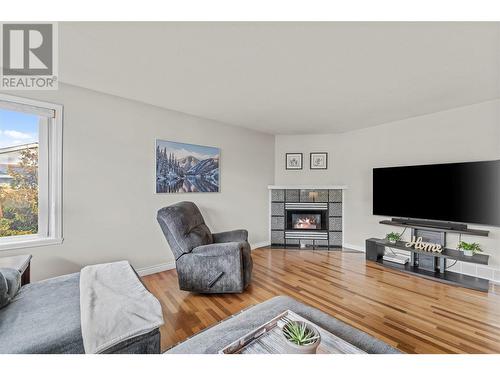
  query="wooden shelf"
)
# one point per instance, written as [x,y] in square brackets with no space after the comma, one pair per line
[375,250]
[447,277]
[446,253]
[472,232]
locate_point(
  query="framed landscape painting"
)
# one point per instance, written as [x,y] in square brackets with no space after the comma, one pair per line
[186,168]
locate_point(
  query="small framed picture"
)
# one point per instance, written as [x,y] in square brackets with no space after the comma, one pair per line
[293,160]
[319,160]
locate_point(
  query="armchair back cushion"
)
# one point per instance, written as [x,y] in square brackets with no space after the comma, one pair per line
[184,227]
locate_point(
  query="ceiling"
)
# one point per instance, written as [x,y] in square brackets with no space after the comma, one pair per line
[288,78]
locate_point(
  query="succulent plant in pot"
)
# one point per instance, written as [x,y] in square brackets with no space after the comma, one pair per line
[469,249]
[393,237]
[302,338]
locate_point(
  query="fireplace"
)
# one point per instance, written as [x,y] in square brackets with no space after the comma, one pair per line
[306,220]
[306,216]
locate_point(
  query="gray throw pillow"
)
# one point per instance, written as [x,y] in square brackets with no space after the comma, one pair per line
[10,283]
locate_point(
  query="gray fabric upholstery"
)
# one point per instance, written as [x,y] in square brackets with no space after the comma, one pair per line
[238,235]
[44,317]
[184,227]
[10,282]
[215,338]
[149,343]
[205,262]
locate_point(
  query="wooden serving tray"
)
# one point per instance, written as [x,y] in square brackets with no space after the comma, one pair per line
[268,339]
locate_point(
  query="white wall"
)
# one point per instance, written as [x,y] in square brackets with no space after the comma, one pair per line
[109,200]
[109,181]
[463,134]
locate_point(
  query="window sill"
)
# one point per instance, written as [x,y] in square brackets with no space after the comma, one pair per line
[29,242]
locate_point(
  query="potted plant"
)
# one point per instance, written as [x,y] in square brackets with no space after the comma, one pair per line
[469,249]
[302,338]
[393,237]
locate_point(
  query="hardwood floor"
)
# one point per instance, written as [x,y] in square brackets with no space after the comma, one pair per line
[413,314]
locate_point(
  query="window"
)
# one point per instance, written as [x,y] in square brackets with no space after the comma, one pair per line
[30,173]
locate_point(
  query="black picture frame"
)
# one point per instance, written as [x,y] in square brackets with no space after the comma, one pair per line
[300,155]
[325,154]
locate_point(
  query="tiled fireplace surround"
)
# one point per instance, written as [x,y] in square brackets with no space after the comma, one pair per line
[325,199]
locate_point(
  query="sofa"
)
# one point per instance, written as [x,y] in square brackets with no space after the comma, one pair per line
[206,262]
[44,318]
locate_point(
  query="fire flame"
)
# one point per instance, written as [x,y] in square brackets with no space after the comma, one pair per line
[306,223]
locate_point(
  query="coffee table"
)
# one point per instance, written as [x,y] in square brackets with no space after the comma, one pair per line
[269,339]
[213,339]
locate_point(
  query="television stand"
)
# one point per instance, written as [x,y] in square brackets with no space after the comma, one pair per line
[434,270]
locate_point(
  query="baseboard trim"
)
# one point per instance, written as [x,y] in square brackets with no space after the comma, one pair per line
[354,247]
[495,272]
[156,268]
[171,265]
[260,244]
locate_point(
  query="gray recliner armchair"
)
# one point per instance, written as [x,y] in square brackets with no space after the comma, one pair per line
[206,262]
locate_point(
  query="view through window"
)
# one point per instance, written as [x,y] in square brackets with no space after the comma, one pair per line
[19,190]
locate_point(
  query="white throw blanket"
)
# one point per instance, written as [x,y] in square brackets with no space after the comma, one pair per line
[115,306]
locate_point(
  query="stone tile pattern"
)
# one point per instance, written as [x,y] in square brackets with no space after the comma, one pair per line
[280,196]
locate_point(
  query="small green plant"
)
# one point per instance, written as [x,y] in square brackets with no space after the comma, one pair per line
[466,246]
[393,237]
[299,333]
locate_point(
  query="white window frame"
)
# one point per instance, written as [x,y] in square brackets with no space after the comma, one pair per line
[50,173]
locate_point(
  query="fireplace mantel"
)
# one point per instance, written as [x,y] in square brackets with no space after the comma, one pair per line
[308,187]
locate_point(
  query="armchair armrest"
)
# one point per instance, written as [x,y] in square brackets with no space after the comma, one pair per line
[214,268]
[238,235]
[219,249]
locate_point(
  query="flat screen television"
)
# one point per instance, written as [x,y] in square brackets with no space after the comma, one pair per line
[455,192]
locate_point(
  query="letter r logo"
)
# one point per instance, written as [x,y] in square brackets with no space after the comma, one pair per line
[27,49]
